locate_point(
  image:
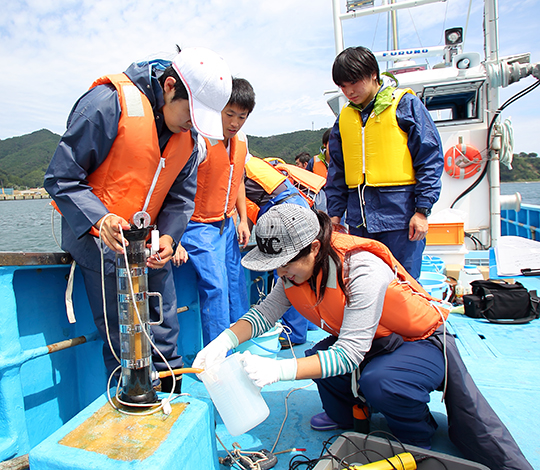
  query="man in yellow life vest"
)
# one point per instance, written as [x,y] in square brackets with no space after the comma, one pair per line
[387,159]
[210,241]
[129,147]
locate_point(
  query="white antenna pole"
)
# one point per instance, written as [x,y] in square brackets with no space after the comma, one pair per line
[338,29]
[491,47]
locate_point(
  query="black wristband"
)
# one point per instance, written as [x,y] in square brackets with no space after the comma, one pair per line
[423,210]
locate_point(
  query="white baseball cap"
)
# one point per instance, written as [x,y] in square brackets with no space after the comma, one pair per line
[208,81]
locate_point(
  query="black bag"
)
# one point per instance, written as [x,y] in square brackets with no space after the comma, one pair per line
[501,302]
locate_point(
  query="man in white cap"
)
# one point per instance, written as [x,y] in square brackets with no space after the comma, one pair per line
[130,149]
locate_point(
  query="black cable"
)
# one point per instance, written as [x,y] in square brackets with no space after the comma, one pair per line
[387,435]
[422,458]
[475,240]
[309,464]
[507,103]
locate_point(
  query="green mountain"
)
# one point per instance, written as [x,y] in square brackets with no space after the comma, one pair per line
[525,167]
[24,159]
[286,146]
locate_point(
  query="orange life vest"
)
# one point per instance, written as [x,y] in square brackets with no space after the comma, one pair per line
[319,167]
[309,184]
[135,175]
[218,179]
[407,308]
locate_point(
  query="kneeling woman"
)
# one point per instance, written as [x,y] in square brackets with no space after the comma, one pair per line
[381,321]
[355,290]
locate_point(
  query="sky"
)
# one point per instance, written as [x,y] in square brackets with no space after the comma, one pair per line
[52,50]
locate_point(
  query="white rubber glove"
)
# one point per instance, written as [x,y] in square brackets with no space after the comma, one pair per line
[265,371]
[215,352]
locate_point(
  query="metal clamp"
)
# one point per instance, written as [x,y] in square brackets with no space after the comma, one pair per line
[127,298]
[136,364]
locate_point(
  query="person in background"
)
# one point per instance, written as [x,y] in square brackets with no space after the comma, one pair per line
[387,159]
[211,240]
[381,323]
[302,159]
[128,130]
[266,187]
[270,182]
[319,163]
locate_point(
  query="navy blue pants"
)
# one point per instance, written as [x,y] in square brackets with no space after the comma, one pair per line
[165,336]
[408,253]
[396,384]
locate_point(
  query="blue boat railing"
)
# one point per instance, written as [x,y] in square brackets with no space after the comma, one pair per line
[525,223]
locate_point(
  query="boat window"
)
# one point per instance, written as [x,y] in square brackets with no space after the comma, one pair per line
[453,102]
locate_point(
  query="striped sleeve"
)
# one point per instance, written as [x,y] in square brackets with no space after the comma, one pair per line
[259,323]
[335,361]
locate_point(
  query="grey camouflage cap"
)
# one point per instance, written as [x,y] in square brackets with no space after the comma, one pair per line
[281,233]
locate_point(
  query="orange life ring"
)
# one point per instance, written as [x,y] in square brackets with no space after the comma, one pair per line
[462,161]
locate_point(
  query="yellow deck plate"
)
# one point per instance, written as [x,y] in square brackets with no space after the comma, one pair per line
[123,437]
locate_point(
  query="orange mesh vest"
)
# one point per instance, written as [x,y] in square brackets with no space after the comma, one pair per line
[218,179]
[407,309]
[309,184]
[135,175]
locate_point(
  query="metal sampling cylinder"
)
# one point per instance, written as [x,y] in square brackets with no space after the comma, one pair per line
[135,349]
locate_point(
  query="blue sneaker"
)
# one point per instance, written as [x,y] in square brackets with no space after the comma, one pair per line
[323,422]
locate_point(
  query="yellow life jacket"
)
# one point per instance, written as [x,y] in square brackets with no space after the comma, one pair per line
[376,154]
[218,179]
[135,175]
[266,176]
[407,310]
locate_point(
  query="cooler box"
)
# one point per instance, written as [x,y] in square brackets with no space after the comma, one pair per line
[445,234]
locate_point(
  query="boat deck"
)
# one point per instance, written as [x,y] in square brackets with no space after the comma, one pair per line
[39,392]
[503,359]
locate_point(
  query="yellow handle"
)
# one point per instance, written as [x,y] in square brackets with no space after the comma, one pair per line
[403,461]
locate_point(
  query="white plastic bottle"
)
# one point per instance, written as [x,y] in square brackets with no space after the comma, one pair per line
[468,274]
[459,291]
[238,400]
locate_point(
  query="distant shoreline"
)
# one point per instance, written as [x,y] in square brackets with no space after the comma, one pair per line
[21,195]
[40,193]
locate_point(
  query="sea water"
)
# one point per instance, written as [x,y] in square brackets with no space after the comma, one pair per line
[26,224]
